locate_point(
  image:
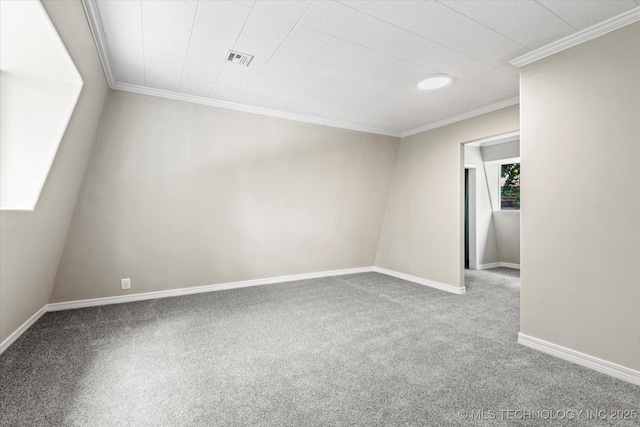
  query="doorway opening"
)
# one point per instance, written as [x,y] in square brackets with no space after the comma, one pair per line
[491,203]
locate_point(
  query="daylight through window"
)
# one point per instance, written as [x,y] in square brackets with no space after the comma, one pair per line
[510,187]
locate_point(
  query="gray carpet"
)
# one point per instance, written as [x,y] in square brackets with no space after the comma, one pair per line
[364,349]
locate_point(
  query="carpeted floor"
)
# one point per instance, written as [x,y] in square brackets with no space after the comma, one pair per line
[364,349]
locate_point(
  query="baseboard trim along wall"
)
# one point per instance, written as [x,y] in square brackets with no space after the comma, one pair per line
[591,362]
[22,329]
[67,305]
[94,302]
[510,265]
[120,299]
[498,264]
[419,280]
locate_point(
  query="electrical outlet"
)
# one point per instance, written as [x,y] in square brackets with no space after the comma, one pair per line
[126,283]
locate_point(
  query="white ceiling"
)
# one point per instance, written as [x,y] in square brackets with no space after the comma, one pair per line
[355,62]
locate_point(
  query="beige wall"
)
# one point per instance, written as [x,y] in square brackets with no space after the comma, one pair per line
[423,232]
[506,150]
[507,225]
[31,243]
[580,145]
[182,195]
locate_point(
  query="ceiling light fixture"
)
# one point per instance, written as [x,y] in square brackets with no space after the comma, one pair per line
[435,81]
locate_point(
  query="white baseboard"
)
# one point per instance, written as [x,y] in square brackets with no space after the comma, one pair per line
[22,329]
[497,265]
[488,266]
[93,302]
[510,265]
[419,280]
[609,368]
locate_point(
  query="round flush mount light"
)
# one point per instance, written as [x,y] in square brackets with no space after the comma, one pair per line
[435,81]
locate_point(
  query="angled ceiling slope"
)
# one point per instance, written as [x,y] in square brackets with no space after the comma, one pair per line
[349,64]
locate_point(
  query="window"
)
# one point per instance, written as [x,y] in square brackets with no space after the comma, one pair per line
[40,88]
[510,187]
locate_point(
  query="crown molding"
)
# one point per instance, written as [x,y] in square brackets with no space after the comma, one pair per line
[93,17]
[575,39]
[248,109]
[480,111]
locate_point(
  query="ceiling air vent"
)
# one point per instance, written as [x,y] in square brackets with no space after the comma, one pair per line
[239,58]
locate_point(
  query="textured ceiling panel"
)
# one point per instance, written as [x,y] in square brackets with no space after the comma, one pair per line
[122,24]
[347,61]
